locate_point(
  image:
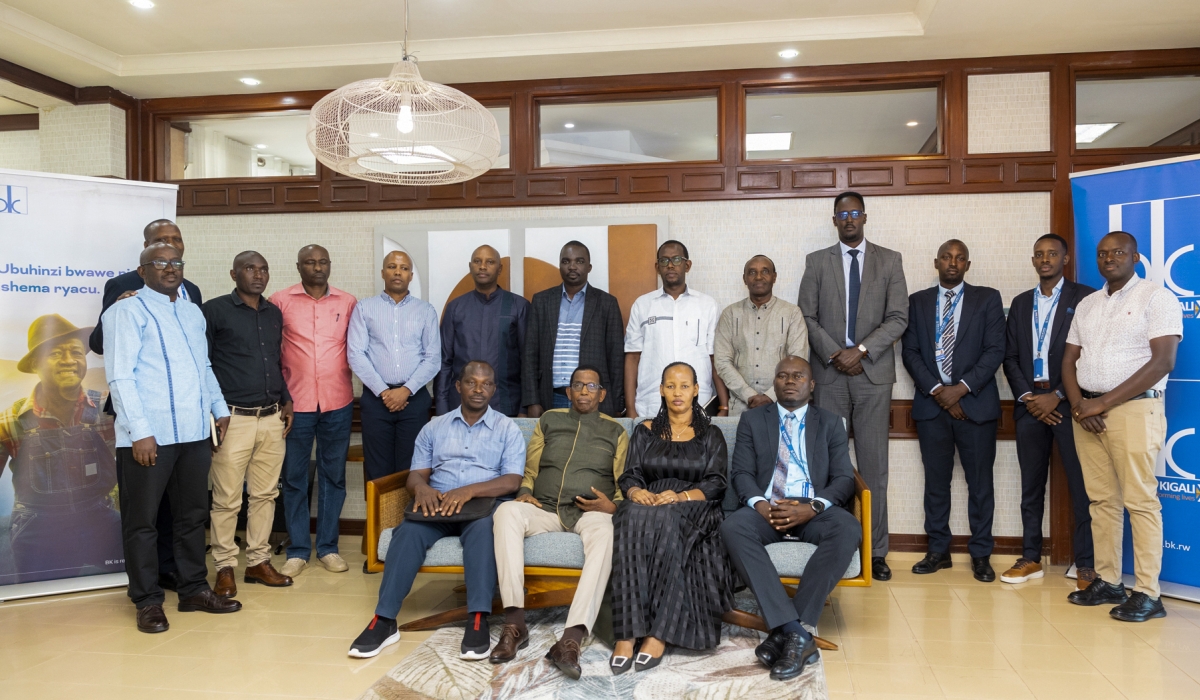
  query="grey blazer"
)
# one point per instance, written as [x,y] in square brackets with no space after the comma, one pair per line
[882,310]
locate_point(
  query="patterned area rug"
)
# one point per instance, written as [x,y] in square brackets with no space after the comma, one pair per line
[434,670]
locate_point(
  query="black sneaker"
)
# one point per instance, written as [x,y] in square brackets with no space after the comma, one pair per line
[477,640]
[380,633]
[1139,608]
[1099,593]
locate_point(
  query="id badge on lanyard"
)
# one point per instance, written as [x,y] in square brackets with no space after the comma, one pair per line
[1039,363]
[806,487]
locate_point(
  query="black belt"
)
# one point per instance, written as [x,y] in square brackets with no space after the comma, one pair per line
[255,412]
[1151,394]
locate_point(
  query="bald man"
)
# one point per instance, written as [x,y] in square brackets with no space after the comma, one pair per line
[487,323]
[395,349]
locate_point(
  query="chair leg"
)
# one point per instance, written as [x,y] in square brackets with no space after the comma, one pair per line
[445,618]
[742,618]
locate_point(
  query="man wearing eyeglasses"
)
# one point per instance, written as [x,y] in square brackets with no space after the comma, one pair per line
[572,464]
[166,398]
[855,301]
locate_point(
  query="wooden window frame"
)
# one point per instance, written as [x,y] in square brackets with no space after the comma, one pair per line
[1132,73]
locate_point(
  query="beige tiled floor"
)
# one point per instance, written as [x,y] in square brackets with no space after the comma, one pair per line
[937,636]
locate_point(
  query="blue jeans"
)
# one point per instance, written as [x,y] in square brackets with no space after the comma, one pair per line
[332,432]
[561,401]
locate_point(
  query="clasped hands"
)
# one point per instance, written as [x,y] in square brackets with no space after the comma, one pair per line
[646,497]
[430,501]
[396,399]
[786,514]
[600,504]
[948,396]
[848,361]
[1090,415]
[1044,407]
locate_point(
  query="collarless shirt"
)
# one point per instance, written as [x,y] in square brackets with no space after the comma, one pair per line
[244,346]
[461,454]
[566,340]
[666,330]
[847,258]
[1114,332]
[1045,313]
[750,340]
[394,343]
[477,327]
[159,375]
[314,348]
[940,311]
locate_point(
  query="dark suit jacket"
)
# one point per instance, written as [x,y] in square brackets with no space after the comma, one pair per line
[978,351]
[757,449]
[601,343]
[1018,353]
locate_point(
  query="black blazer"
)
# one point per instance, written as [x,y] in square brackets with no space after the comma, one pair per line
[757,449]
[601,343]
[1018,353]
[978,351]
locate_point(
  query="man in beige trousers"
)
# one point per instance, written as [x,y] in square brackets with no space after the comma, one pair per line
[572,465]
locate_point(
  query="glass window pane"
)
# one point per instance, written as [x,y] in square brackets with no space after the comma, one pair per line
[501,115]
[645,131]
[866,123]
[1138,112]
[259,145]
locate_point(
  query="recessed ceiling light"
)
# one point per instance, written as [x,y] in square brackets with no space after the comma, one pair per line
[789,53]
[1087,133]
[780,141]
[141,4]
[911,123]
[777,116]
[250,81]
[261,146]
[568,125]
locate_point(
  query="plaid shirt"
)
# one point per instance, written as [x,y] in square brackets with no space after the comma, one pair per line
[11,431]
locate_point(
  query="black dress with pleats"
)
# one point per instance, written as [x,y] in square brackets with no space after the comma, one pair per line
[671,578]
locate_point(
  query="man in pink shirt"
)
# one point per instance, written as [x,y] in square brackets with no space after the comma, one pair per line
[315,319]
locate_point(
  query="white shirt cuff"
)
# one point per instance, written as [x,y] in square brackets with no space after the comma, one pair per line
[935,387]
[825,501]
[754,500]
[1021,398]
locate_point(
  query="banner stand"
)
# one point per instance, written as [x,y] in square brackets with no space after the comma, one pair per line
[17,591]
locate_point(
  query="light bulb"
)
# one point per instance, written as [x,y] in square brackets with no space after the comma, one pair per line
[405,121]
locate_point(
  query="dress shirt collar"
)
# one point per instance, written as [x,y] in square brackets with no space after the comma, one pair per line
[581,293]
[662,292]
[861,247]
[161,298]
[392,302]
[942,291]
[767,305]
[489,417]
[581,417]
[800,413]
[488,298]
[1128,285]
[329,291]
[263,302]
[1038,289]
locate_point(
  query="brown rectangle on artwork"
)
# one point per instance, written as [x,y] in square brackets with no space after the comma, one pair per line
[927,175]
[598,185]
[648,184]
[307,193]
[983,173]
[870,177]
[631,270]
[813,179]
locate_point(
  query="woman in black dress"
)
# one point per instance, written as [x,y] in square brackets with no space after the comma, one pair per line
[671,581]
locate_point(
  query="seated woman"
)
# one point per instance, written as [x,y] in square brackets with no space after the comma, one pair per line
[671,581]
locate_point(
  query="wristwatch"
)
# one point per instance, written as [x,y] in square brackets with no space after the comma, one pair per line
[817,506]
[1061,396]
[863,349]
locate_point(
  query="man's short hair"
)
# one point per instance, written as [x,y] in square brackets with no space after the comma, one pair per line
[849,194]
[1127,235]
[760,255]
[674,242]
[1054,237]
[153,227]
[577,244]
[587,368]
[472,365]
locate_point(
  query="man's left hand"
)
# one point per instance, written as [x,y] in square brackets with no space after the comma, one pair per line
[1044,408]
[454,500]
[788,514]
[1086,408]
[947,396]
[758,400]
[600,504]
[222,428]
[287,415]
[396,399]
[848,361]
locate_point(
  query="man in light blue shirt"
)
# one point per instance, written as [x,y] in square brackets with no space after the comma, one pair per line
[471,452]
[166,398]
[394,346]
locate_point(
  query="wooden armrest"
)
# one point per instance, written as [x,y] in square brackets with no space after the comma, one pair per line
[387,498]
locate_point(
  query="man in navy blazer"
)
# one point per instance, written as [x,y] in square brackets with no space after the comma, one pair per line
[952,348]
[1033,360]
[792,474]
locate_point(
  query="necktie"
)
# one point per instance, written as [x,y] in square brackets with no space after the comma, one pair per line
[779,483]
[852,298]
[948,336]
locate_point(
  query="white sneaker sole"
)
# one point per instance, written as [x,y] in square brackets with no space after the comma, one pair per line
[368,654]
[1022,579]
[473,655]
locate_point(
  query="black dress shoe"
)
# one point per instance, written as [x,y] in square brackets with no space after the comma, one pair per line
[771,648]
[1099,593]
[1139,608]
[645,662]
[932,562]
[151,619]
[208,602]
[880,571]
[799,651]
[982,566]
[168,581]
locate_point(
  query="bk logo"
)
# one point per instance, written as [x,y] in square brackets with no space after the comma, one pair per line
[13,200]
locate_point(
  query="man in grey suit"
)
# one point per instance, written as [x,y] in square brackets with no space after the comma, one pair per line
[855,301]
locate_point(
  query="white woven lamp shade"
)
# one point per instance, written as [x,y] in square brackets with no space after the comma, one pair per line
[402,130]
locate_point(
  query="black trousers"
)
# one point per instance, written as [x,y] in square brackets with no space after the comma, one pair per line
[387,437]
[1034,441]
[181,473]
[976,443]
[837,535]
[162,522]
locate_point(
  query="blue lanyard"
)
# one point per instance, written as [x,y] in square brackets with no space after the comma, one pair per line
[787,441]
[940,324]
[1043,327]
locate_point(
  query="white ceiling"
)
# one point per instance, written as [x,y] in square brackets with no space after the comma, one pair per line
[185,47]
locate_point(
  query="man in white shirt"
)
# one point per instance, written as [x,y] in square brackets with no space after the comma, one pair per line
[672,324]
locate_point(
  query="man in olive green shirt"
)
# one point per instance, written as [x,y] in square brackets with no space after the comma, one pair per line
[572,465]
[754,334]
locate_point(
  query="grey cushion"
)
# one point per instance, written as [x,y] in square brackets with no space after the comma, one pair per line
[790,558]
[558,549]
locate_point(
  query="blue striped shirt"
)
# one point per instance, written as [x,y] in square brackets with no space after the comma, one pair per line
[390,343]
[461,454]
[566,342]
[156,362]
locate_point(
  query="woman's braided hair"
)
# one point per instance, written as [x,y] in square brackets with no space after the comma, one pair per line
[661,425]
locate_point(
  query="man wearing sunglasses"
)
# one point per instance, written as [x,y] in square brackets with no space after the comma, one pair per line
[855,301]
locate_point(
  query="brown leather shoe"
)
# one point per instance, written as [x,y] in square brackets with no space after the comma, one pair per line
[565,655]
[152,620]
[208,602]
[226,583]
[512,638]
[1084,577]
[266,574]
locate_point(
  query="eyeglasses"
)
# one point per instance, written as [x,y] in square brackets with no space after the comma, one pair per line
[592,387]
[676,260]
[164,264]
[852,214]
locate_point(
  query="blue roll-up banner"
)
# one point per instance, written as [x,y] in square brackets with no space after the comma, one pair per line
[1159,203]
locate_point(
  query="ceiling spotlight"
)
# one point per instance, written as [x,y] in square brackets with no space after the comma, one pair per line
[568,125]
[789,53]
[141,4]
[261,146]
[910,123]
[250,81]
[777,116]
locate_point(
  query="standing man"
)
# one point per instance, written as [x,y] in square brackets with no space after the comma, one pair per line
[166,397]
[1119,352]
[316,316]
[120,287]
[394,348]
[672,324]
[952,348]
[245,333]
[754,334]
[488,324]
[1038,322]
[570,325]
[855,301]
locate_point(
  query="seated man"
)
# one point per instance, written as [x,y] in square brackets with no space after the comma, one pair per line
[791,470]
[471,452]
[572,465]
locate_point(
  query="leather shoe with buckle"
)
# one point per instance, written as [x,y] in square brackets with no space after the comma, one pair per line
[799,650]
[266,574]
[1099,593]
[982,568]
[565,655]
[880,571]
[932,562]
[208,602]
[512,638]
[769,651]
[1139,608]
[152,620]
[226,583]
